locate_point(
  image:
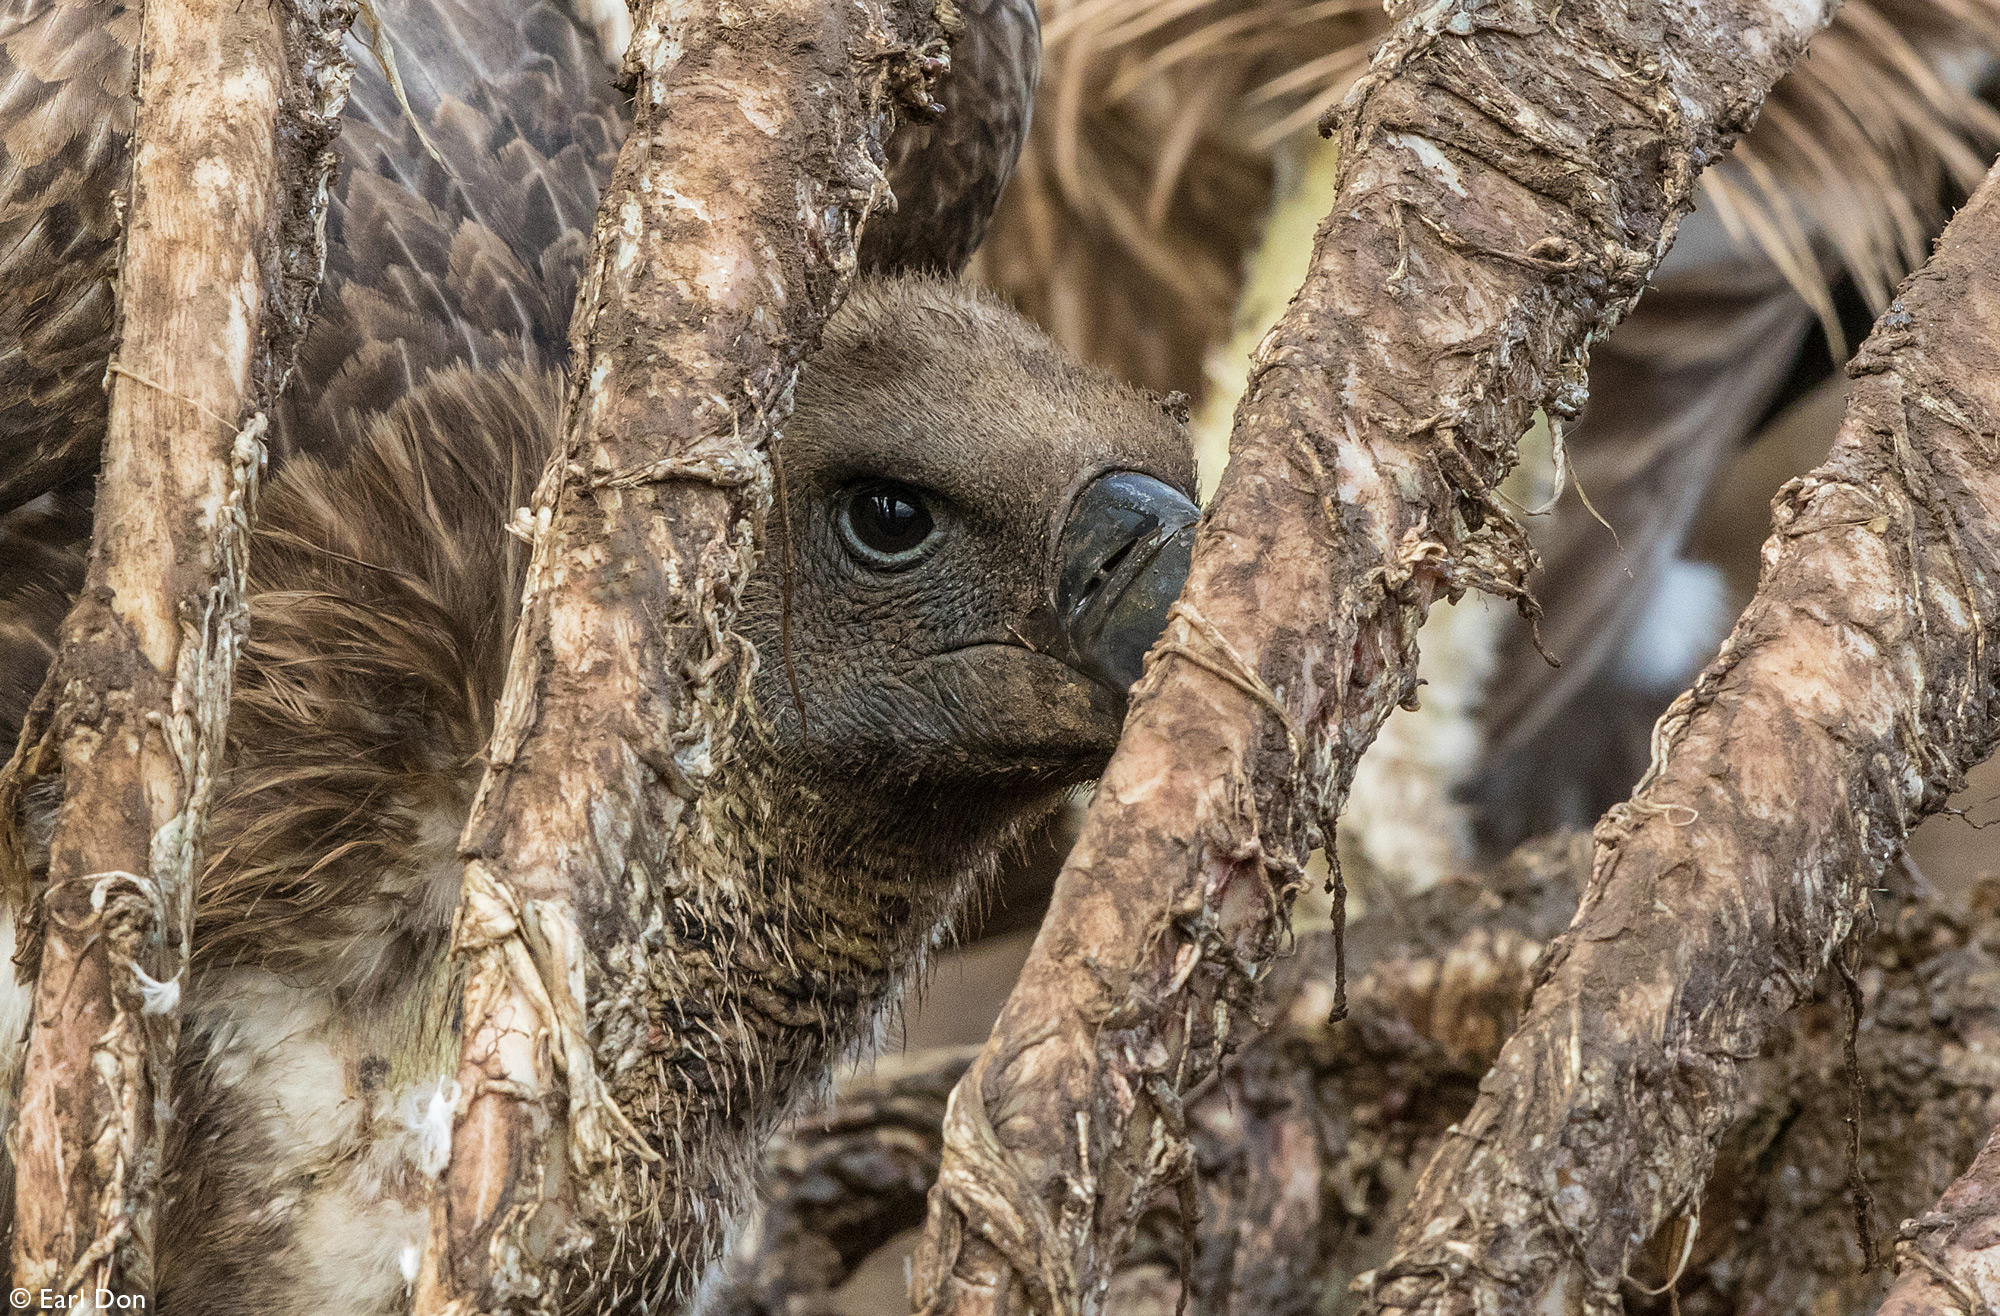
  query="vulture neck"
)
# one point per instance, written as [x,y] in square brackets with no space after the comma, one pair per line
[812,907]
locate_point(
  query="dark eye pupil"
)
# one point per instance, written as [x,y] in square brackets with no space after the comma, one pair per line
[890,520]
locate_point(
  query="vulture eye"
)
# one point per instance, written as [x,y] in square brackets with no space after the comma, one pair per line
[886,524]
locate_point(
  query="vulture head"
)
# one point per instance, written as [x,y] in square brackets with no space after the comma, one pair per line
[981,540]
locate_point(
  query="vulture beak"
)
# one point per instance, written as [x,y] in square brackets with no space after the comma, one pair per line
[1121,562]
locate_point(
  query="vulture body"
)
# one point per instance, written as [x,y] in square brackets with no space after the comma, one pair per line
[943,679]
[383,592]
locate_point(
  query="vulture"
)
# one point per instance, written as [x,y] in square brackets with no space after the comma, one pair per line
[979,542]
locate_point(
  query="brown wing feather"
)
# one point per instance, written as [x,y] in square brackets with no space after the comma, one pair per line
[473,261]
[65,117]
[947,176]
[42,547]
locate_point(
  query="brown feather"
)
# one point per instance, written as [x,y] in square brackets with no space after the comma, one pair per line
[65,116]
[947,175]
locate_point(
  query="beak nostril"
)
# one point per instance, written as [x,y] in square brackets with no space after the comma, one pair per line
[1097,582]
